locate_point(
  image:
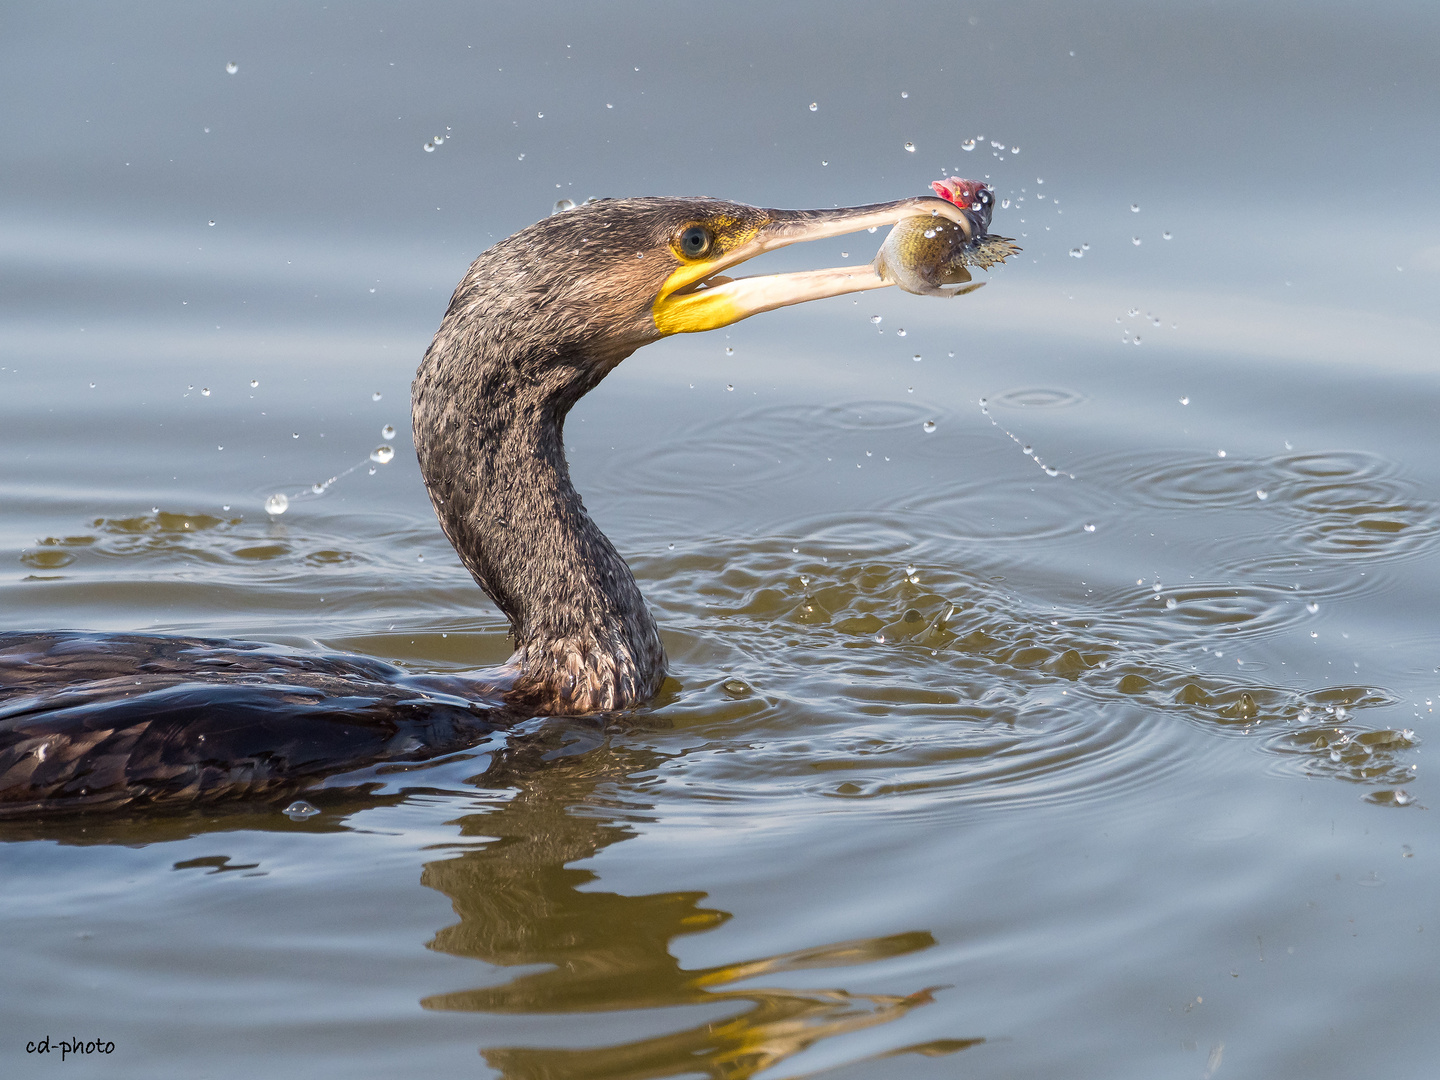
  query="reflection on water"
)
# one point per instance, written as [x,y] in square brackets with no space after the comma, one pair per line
[521,903]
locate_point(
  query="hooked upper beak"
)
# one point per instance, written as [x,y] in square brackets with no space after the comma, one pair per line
[697,296]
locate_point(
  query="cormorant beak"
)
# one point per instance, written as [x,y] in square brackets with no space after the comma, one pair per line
[697,296]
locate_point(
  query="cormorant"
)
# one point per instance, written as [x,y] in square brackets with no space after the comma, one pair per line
[101,720]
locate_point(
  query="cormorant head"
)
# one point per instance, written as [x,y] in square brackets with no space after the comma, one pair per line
[609,276]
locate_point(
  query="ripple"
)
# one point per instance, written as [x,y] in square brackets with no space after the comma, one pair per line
[951,686]
[1252,608]
[1189,481]
[854,415]
[1339,504]
[735,460]
[731,458]
[1039,397]
[1031,506]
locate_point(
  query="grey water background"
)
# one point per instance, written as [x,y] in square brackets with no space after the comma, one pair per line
[1148,799]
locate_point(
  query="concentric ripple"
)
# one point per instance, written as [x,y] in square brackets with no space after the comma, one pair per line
[1336,505]
[1038,397]
[759,447]
[951,688]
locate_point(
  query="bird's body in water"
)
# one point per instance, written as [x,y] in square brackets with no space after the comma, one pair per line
[98,720]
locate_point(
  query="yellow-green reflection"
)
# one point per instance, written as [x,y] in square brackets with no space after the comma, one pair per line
[521,904]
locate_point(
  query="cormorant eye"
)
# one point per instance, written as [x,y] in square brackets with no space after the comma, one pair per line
[695,241]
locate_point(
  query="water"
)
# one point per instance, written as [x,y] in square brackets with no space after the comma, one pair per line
[966,764]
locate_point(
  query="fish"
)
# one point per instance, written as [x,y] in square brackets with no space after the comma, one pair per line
[931,256]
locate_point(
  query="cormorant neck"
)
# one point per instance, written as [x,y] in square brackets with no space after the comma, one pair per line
[489,434]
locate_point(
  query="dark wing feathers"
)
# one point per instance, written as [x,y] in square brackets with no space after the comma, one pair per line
[93,720]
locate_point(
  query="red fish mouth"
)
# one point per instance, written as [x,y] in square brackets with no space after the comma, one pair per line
[974,196]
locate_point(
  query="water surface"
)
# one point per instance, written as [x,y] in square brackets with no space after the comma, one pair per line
[1047,705]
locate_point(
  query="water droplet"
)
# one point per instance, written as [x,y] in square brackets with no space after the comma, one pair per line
[383,455]
[968,144]
[1027,449]
[1135,240]
[388,431]
[92,386]
[205,391]
[1335,755]
[1089,527]
[231,67]
[212,222]
[1312,607]
[1165,235]
[430,148]
[375,396]
[1402,797]
[730,386]
[277,504]
[904,93]
[254,383]
[562,205]
[299,810]
[814,105]
[1219,453]
[1134,208]
[318,488]
[916,358]
[928,426]
[729,350]
[875,319]
[900,332]
[437,139]
[735,688]
[1185,401]
[909,147]
[1014,149]
[1261,494]
[1076,253]
[1004,204]
[539,116]
[1171,604]
[520,157]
